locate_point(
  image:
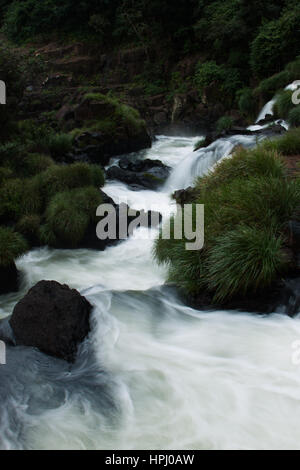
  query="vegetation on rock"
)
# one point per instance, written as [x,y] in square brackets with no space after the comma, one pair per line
[248,200]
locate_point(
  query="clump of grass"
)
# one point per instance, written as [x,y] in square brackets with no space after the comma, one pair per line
[36,163]
[59,145]
[59,178]
[68,216]
[248,201]
[244,260]
[5,174]
[12,245]
[225,123]
[12,155]
[288,144]
[29,225]
[269,86]
[246,101]
[199,144]
[294,117]
[243,164]
[17,198]
[283,104]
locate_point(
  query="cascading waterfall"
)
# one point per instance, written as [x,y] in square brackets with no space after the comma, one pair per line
[154,373]
[268,109]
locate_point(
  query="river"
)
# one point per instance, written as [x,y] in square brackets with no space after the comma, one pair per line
[154,373]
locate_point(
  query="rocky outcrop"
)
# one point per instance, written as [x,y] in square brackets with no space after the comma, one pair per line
[53,318]
[9,276]
[139,174]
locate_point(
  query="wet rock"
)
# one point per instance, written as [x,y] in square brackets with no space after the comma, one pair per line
[141,174]
[53,318]
[282,296]
[6,332]
[185,196]
[9,276]
[269,118]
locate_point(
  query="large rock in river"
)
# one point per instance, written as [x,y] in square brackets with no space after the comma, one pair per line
[53,318]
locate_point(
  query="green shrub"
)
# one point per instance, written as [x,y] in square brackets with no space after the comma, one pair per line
[294,116]
[225,123]
[294,68]
[245,101]
[36,135]
[59,145]
[29,226]
[68,216]
[19,197]
[14,155]
[10,153]
[271,85]
[276,43]
[207,73]
[283,104]
[36,163]
[5,174]
[12,245]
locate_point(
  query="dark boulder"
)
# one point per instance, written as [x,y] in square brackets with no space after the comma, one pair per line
[53,318]
[139,174]
[9,276]
[185,196]
[269,118]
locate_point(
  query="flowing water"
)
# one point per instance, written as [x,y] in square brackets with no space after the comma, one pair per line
[154,374]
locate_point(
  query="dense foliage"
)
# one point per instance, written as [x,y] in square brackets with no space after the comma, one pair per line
[265,34]
[41,201]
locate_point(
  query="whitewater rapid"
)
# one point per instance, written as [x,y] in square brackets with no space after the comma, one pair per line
[154,373]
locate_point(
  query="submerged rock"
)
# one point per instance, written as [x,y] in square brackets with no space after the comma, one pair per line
[53,318]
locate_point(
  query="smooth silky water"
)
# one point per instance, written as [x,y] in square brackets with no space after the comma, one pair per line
[153,374]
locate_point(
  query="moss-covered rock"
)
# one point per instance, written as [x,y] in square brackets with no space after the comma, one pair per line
[106,127]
